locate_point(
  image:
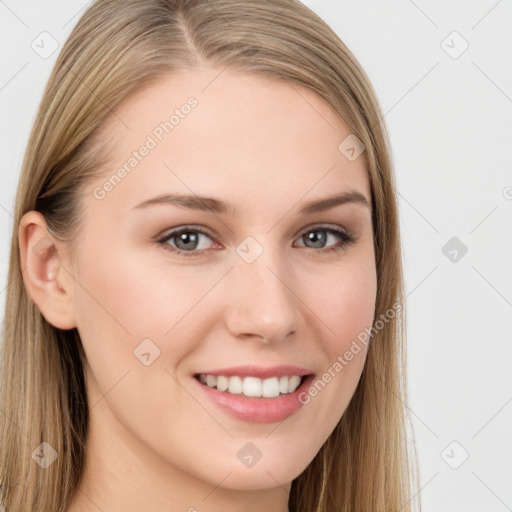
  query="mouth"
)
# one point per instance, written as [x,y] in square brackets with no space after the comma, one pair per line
[269,396]
[256,394]
[252,386]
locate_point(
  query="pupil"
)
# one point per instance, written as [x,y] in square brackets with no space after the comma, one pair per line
[317,239]
[187,238]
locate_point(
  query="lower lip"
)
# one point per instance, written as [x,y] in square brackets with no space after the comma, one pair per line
[257,409]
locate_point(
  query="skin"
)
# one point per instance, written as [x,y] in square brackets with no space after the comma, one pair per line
[156,441]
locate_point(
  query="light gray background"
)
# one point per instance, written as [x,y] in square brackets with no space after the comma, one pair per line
[450,121]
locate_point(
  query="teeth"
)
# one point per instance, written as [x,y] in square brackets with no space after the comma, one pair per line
[270,387]
[252,386]
[235,385]
[222,383]
[283,384]
[294,382]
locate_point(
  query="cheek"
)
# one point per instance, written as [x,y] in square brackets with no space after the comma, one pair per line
[125,310]
[347,305]
[122,303]
[130,300]
[355,306]
[346,309]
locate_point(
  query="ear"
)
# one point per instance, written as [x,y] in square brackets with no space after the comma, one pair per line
[48,283]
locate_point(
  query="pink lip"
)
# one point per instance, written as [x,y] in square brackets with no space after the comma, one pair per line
[257,409]
[260,371]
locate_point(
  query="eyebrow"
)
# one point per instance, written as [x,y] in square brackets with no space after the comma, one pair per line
[219,206]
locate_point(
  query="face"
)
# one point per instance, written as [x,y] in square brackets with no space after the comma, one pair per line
[249,283]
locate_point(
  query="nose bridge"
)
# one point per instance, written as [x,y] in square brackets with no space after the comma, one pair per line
[263,303]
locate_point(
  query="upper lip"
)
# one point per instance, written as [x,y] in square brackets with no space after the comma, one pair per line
[259,371]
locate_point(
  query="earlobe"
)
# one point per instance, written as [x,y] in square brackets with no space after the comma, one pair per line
[47,282]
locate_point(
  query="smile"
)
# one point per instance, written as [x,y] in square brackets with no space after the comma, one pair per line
[252,386]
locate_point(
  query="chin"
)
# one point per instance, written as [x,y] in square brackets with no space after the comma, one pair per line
[263,476]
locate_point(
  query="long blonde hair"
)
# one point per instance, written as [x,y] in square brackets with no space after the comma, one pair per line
[117,47]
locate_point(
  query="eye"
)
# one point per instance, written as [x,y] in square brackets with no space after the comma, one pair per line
[319,235]
[187,240]
[192,240]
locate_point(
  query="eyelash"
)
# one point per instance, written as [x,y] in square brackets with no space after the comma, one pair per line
[345,237]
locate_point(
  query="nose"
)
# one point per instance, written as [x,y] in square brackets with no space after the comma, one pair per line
[261,301]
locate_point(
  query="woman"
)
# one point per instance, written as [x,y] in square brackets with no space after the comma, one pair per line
[205,302]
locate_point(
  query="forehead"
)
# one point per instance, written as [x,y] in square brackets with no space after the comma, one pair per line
[246,138]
